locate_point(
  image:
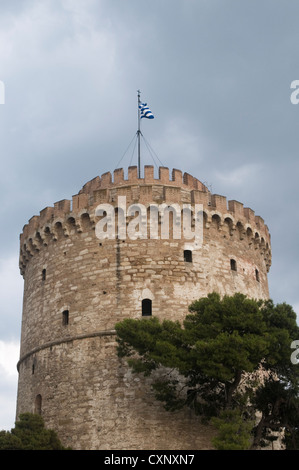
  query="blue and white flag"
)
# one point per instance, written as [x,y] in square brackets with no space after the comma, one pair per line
[145,112]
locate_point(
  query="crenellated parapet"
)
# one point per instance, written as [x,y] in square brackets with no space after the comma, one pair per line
[230,218]
[109,180]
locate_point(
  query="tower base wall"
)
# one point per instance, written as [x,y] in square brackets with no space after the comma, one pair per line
[94,402]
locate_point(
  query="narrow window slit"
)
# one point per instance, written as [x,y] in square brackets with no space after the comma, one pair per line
[146,307]
[38,404]
[233,265]
[65,317]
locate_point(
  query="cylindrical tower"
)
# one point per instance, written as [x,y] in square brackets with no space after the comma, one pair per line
[78,285]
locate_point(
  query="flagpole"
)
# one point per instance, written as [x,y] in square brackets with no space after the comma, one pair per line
[138,135]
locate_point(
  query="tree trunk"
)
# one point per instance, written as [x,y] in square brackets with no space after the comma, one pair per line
[231,387]
[258,433]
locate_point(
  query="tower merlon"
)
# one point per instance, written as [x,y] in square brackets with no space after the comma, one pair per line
[219,202]
[236,207]
[249,214]
[62,207]
[79,201]
[133,174]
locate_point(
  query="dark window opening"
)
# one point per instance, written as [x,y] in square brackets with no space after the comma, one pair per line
[33,367]
[44,273]
[146,307]
[257,275]
[188,256]
[38,404]
[65,317]
[233,265]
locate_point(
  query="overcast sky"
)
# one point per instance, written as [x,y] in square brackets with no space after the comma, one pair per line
[215,73]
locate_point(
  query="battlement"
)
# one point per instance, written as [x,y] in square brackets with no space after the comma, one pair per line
[109,180]
[180,189]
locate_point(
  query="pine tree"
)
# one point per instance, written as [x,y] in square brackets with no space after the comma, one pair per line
[212,359]
[30,433]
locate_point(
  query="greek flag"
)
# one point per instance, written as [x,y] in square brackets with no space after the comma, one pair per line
[145,112]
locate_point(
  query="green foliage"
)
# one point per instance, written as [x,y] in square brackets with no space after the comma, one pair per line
[219,343]
[278,401]
[234,432]
[228,334]
[30,434]
[9,441]
[282,330]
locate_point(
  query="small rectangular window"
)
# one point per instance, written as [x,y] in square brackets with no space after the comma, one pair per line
[146,306]
[188,256]
[38,405]
[44,273]
[233,265]
[65,317]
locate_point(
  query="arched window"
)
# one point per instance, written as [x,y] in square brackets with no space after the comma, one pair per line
[65,317]
[38,405]
[146,307]
[188,256]
[233,265]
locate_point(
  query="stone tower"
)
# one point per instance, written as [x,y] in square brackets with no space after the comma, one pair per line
[78,286]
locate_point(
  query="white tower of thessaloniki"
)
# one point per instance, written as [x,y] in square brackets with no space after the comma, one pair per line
[77,286]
